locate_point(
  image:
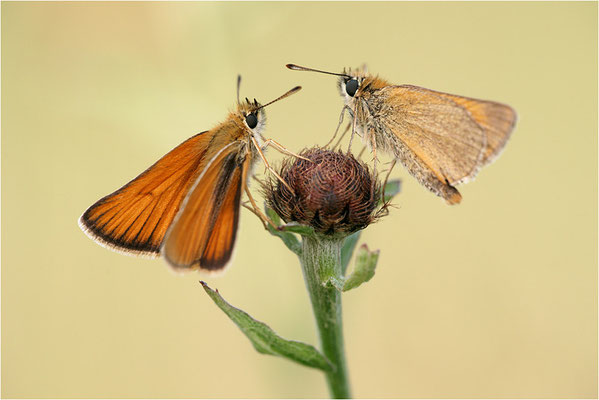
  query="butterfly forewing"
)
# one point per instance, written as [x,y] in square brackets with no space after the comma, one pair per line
[135,218]
[496,119]
[203,234]
[440,133]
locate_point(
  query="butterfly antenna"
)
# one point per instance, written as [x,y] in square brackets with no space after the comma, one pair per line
[299,68]
[238,85]
[289,93]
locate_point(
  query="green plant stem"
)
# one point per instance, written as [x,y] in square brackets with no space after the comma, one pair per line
[321,264]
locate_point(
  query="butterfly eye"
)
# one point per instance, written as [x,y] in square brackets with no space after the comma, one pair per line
[251,120]
[351,86]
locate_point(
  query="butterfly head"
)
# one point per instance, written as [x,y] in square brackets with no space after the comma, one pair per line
[350,82]
[251,115]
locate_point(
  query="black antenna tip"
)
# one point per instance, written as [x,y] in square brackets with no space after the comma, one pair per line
[292,66]
[238,85]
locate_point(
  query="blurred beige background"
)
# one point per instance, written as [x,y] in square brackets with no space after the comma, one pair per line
[496,297]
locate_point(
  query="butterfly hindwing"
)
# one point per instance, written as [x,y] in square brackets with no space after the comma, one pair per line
[203,234]
[135,218]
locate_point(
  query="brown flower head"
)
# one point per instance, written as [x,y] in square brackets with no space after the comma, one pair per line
[334,193]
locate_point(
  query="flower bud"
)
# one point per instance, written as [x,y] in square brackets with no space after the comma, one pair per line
[333,192]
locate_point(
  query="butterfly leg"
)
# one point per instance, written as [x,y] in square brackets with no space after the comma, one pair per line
[268,167]
[387,178]
[342,136]
[282,149]
[338,125]
[373,145]
[256,210]
[353,131]
[362,151]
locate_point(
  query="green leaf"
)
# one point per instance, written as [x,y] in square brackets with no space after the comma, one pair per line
[364,270]
[298,228]
[265,340]
[391,189]
[288,238]
[349,244]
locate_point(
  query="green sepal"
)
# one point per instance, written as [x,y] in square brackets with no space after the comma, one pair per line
[288,238]
[364,268]
[265,340]
[295,227]
[392,188]
[347,250]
